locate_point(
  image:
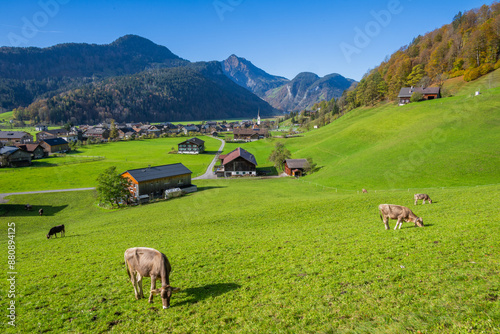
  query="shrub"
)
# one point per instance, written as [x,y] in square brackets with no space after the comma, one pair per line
[497,65]
[416,97]
[472,74]
[486,68]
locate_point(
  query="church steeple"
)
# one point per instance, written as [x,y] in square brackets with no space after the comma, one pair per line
[258,117]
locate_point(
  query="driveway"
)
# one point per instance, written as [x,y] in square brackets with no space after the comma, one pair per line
[209,174]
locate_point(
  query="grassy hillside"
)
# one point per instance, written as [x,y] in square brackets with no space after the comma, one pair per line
[280,255]
[444,142]
[255,256]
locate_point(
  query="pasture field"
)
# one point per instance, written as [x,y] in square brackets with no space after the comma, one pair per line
[63,173]
[260,256]
[445,142]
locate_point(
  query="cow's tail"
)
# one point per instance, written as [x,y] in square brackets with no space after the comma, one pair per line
[382,219]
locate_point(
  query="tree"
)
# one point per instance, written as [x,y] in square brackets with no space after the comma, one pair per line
[279,155]
[112,188]
[416,97]
[311,167]
[113,134]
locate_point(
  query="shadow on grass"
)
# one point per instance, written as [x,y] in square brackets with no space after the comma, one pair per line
[208,188]
[194,295]
[210,152]
[267,171]
[18,210]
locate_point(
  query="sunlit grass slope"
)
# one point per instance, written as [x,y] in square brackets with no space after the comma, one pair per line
[261,256]
[445,142]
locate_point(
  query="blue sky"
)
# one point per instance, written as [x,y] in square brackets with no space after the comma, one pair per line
[281,37]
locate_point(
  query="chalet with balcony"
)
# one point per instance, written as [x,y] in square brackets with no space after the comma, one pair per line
[191,146]
[237,163]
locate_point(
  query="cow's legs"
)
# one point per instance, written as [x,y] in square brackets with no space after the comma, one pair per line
[386,223]
[398,223]
[153,287]
[134,283]
[416,201]
[139,285]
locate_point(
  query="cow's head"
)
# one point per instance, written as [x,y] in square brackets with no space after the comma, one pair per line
[419,222]
[48,236]
[166,292]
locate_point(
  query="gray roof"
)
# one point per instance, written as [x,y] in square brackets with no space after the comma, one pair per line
[196,141]
[408,91]
[13,134]
[297,163]
[158,172]
[8,150]
[55,141]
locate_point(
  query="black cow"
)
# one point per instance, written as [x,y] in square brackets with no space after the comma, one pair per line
[56,229]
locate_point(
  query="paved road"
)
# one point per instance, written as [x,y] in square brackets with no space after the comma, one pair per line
[2,200]
[209,174]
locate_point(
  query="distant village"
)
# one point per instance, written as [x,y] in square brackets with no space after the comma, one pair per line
[19,148]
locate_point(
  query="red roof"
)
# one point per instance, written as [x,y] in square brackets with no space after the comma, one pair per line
[239,152]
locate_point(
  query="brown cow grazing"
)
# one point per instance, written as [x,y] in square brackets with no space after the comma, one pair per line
[423,197]
[40,212]
[401,213]
[55,230]
[148,262]
[365,191]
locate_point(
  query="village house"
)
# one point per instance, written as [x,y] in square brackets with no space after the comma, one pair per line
[97,132]
[250,134]
[296,167]
[15,137]
[152,182]
[190,128]
[237,163]
[41,127]
[55,145]
[428,93]
[70,136]
[191,146]
[36,150]
[11,156]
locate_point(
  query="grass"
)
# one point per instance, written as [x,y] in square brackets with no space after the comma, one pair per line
[278,256]
[56,173]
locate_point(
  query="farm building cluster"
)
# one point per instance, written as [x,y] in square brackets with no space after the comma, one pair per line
[19,148]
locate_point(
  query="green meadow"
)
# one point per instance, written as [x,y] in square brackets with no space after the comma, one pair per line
[79,170]
[281,255]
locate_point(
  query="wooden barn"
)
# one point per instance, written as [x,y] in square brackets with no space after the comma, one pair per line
[55,145]
[191,146]
[250,134]
[296,167]
[428,93]
[237,163]
[152,182]
[36,150]
[11,156]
